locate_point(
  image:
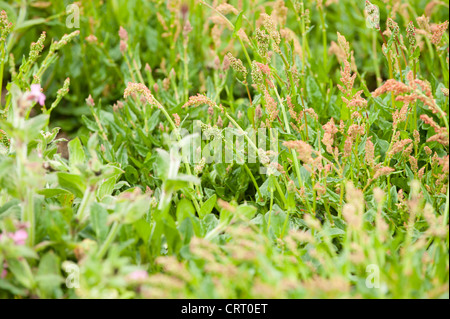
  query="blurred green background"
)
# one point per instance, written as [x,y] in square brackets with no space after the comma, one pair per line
[156,37]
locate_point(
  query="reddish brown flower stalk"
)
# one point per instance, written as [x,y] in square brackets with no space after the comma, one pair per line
[441,136]
[347,79]
[382,171]
[140,88]
[271,108]
[303,149]
[328,137]
[200,99]
[393,86]
[399,146]
[370,153]
[176,119]
[437,32]
[399,116]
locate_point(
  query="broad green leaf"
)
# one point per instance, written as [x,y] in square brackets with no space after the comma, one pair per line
[106,188]
[246,211]
[131,174]
[185,209]
[22,272]
[49,275]
[72,182]
[315,96]
[208,206]
[99,217]
[76,152]
[52,192]
[143,229]
[238,24]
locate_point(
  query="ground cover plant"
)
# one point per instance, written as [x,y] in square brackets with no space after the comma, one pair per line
[213,149]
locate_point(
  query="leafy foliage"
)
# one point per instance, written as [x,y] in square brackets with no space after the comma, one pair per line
[93,176]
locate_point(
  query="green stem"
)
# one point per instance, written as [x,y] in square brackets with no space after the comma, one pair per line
[245,52]
[232,27]
[286,221]
[186,70]
[280,192]
[250,142]
[112,234]
[2,65]
[270,210]
[341,198]
[187,166]
[386,160]
[129,67]
[375,58]
[287,66]
[30,217]
[398,61]
[324,38]
[293,152]
[82,212]
[445,220]
[303,39]
[253,180]
[444,70]
[288,130]
[138,72]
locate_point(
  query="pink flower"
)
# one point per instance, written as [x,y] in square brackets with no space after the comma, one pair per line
[90,101]
[36,94]
[123,34]
[4,271]
[123,46]
[138,275]
[20,237]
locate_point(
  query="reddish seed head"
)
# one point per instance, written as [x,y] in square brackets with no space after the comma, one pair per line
[90,101]
[123,46]
[184,10]
[123,34]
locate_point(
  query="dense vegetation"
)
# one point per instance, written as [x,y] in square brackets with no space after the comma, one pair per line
[349,198]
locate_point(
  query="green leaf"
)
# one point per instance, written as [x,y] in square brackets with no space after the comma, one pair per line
[246,211]
[52,192]
[185,209]
[172,235]
[143,229]
[49,275]
[251,115]
[315,95]
[29,23]
[8,286]
[275,220]
[161,165]
[106,188]
[238,24]
[208,206]
[186,230]
[22,272]
[72,182]
[11,205]
[76,152]
[131,174]
[332,232]
[99,217]
[35,125]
